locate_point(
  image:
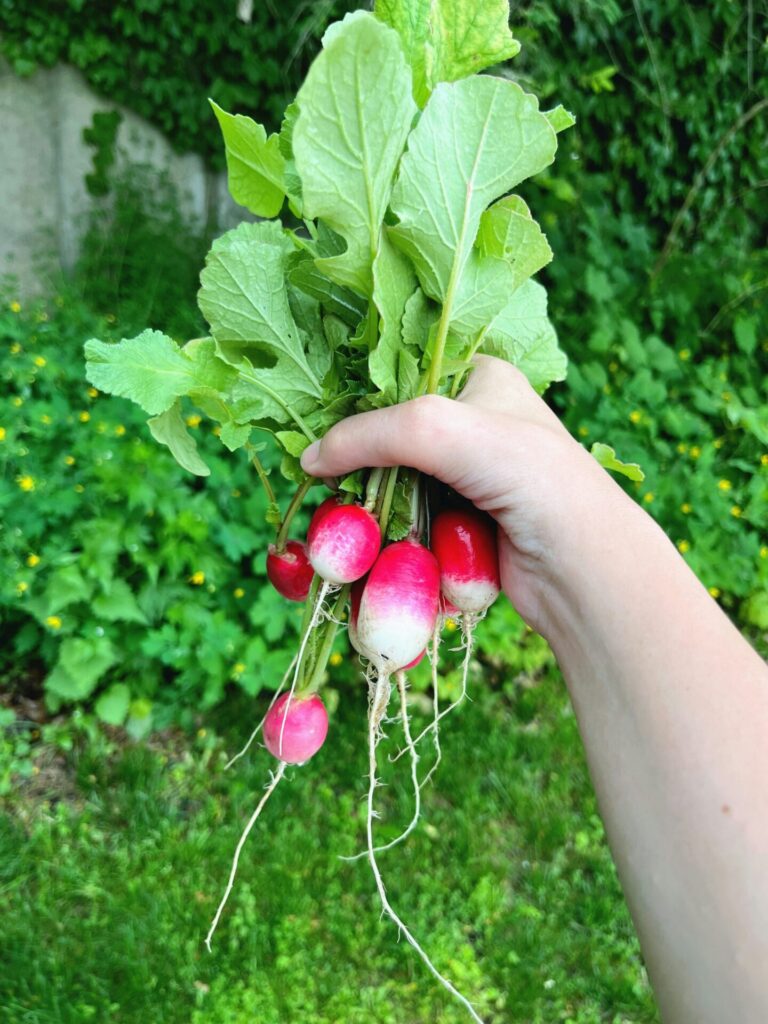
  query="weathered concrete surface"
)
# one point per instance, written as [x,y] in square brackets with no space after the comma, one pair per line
[44,160]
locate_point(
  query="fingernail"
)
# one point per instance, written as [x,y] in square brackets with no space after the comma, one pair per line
[310,456]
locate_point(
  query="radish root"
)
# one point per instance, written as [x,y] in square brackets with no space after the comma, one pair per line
[258,728]
[377,704]
[434,657]
[276,776]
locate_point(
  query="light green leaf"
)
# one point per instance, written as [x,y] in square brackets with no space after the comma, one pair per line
[606,456]
[476,140]
[245,300]
[407,376]
[342,302]
[234,435]
[418,319]
[112,706]
[393,284]
[445,40]
[170,429]
[85,660]
[292,441]
[117,603]
[150,369]
[255,164]
[522,334]
[355,112]
[66,586]
[560,118]
[508,231]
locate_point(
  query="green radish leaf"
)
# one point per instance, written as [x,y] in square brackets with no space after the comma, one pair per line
[393,284]
[407,376]
[523,334]
[112,706]
[445,40]
[353,484]
[560,118]
[355,112]
[419,316]
[150,369]
[292,179]
[476,140]
[400,515]
[342,302]
[293,442]
[606,456]
[255,164]
[244,297]
[508,231]
[170,429]
[117,603]
[235,435]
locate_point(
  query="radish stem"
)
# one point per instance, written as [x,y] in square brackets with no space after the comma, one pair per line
[291,511]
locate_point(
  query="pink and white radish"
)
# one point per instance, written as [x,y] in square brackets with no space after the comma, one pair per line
[289,571]
[398,606]
[343,542]
[464,543]
[294,730]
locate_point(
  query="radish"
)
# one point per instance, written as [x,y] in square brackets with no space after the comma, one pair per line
[464,543]
[399,605]
[289,570]
[415,662]
[342,542]
[296,733]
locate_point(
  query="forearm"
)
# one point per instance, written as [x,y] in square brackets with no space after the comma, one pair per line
[672,705]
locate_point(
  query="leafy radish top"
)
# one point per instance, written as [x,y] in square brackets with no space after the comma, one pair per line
[398,162]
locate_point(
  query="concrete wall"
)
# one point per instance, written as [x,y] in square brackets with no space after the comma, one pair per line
[43,163]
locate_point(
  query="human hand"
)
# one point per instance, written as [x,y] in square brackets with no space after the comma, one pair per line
[502,448]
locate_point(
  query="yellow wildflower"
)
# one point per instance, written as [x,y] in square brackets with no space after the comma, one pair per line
[2,433]
[18,401]
[335,659]
[197,578]
[724,485]
[450,625]
[686,508]
[45,418]
[69,459]
[120,430]
[684,354]
[649,497]
[695,451]
[238,592]
[84,416]
[15,348]
[92,393]
[583,431]
[715,592]
[26,483]
[53,621]
[194,421]
[21,586]
[239,668]
[683,546]
[736,511]
[15,306]
[763,458]
[40,361]
[33,560]
[764,551]
[719,442]
[217,431]
[635,416]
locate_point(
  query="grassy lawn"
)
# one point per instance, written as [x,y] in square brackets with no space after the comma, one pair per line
[110,878]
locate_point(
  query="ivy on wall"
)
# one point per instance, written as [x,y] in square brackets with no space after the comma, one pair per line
[164,58]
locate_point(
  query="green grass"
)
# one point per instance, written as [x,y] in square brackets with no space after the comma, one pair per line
[107,894]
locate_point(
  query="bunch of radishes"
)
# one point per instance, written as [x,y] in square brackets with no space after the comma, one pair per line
[397,597]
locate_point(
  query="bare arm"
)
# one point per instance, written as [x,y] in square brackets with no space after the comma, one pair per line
[672,702]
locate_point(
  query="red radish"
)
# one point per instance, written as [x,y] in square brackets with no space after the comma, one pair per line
[304,732]
[343,542]
[464,543]
[399,605]
[289,571]
[415,662]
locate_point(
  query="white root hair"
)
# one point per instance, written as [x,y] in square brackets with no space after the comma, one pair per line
[258,728]
[376,706]
[276,776]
